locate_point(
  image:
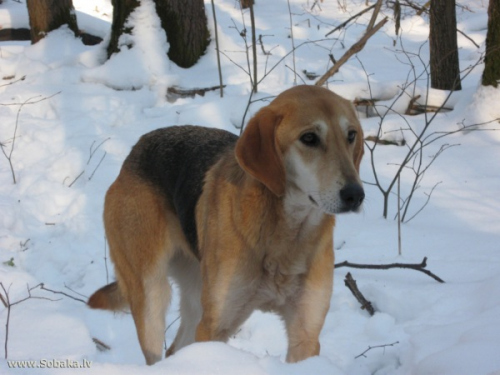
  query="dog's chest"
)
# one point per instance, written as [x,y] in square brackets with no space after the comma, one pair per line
[282,278]
[286,263]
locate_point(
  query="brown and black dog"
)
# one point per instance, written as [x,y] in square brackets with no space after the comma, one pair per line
[239,223]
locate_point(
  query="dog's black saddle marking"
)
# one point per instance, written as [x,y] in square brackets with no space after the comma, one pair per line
[175,160]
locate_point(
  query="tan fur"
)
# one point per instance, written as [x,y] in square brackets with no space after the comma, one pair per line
[264,224]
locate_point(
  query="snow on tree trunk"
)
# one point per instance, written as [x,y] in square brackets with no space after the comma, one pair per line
[121,12]
[48,15]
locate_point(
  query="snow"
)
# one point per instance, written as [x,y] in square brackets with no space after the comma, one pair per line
[75,116]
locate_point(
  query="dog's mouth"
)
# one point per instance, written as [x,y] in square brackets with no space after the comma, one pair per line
[313,201]
[346,203]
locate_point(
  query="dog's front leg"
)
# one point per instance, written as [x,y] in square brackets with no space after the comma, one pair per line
[305,316]
[225,300]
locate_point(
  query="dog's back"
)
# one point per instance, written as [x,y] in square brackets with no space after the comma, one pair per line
[175,160]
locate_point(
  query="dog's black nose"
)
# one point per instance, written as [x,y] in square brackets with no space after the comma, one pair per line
[352,196]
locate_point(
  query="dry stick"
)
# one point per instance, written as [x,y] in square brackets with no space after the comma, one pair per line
[17,80]
[376,11]
[106,258]
[417,267]
[358,46]
[399,215]
[100,161]
[343,24]
[350,283]
[262,46]
[101,346]
[77,177]
[293,44]
[254,48]
[375,347]
[191,93]
[468,37]
[43,287]
[218,53]
[74,291]
[93,151]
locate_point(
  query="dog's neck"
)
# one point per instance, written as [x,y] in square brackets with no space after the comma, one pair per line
[299,212]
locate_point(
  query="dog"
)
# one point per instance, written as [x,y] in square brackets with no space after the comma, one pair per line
[238,223]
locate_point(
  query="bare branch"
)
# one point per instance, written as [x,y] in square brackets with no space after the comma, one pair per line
[343,24]
[375,13]
[375,347]
[358,46]
[468,37]
[21,105]
[101,346]
[100,161]
[221,84]
[43,287]
[417,267]
[350,283]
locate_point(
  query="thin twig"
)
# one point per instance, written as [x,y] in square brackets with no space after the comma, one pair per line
[358,46]
[101,346]
[254,48]
[417,267]
[93,151]
[375,347]
[221,84]
[399,215]
[77,177]
[266,53]
[17,80]
[468,37]
[43,287]
[8,305]
[106,259]
[14,137]
[293,43]
[343,24]
[100,161]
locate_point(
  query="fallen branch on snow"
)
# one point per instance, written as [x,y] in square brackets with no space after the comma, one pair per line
[412,266]
[375,347]
[350,283]
[177,92]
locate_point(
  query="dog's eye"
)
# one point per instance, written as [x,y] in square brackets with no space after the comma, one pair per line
[351,136]
[310,139]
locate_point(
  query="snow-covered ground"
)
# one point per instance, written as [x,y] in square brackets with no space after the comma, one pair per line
[68,119]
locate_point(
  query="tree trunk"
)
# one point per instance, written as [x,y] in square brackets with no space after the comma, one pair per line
[121,11]
[445,71]
[247,3]
[48,15]
[187,33]
[491,74]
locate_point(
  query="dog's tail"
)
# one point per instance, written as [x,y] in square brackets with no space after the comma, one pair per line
[109,297]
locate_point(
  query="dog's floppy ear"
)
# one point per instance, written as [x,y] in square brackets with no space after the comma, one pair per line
[258,154]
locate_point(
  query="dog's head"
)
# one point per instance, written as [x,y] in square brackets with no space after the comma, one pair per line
[307,144]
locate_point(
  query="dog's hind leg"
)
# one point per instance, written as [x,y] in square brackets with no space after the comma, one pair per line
[149,308]
[135,218]
[186,272]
